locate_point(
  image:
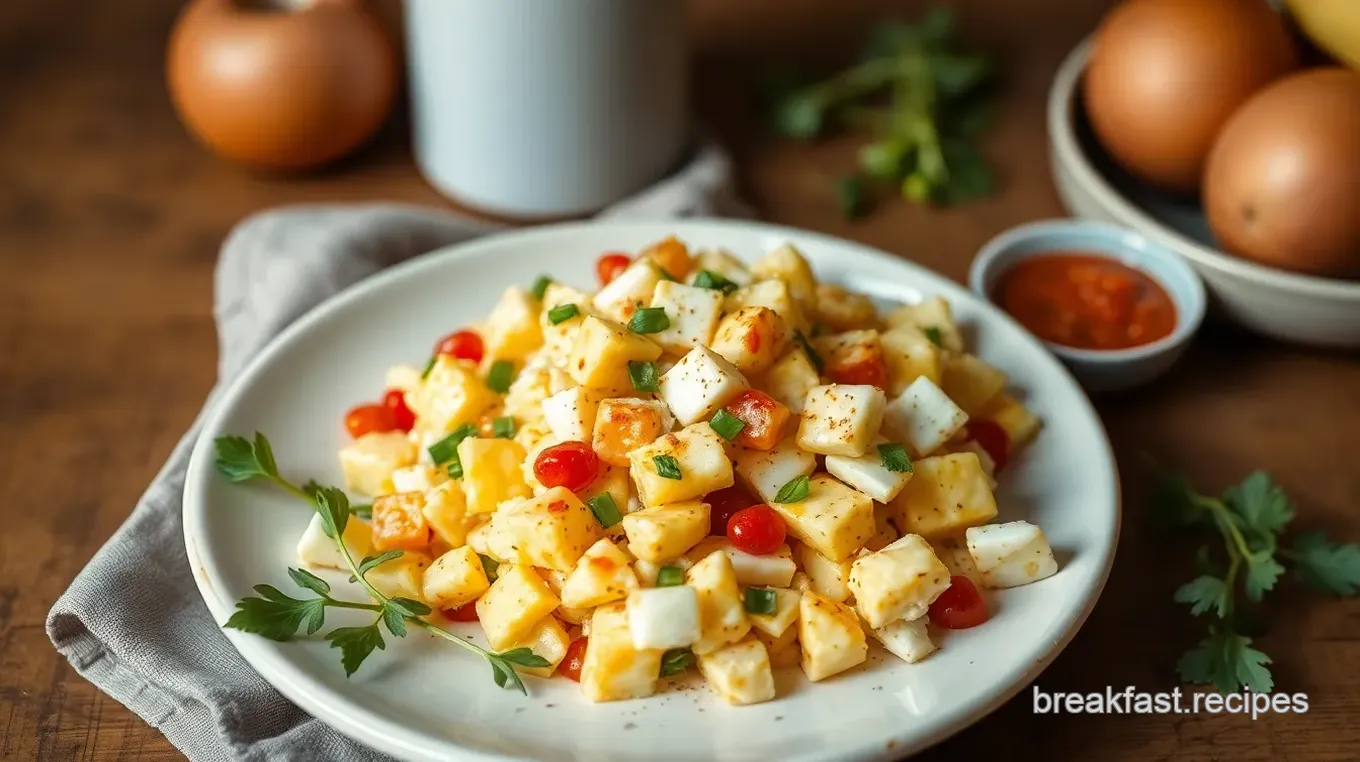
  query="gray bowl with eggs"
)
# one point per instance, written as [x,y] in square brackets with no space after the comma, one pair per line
[1289,306]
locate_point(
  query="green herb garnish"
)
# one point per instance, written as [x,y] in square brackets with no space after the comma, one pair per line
[540,287]
[503,427]
[445,451]
[649,320]
[811,353]
[429,366]
[935,335]
[489,566]
[605,509]
[1250,519]
[670,576]
[727,425]
[562,313]
[710,279]
[500,376]
[675,661]
[795,490]
[761,600]
[667,467]
[643,375]
[894,458]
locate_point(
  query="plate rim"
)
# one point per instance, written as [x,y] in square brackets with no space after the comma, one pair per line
[379,733]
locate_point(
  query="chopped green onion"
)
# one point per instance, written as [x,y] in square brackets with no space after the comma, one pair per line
[446,449]
[429,366]
[540,287]
[710,279]
[605,509]
[934,334]
[643,375]
[894,458]
[675,661]
[649,320]
[667,467]
[562,313]
[362,510]
[807,348]
[760,600]
[664,275]
[795,490]
[727,425]
[670,576]
[489,565]
[504,427]
[500,376]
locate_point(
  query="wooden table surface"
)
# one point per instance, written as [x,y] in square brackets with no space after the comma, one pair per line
[110,220]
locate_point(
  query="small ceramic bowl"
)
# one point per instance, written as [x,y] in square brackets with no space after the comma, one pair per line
[1113,369]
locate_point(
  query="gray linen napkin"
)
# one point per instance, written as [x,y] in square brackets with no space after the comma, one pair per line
[132,622]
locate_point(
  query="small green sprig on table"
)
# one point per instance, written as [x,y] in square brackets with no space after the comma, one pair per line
[278,616]
[1251,518]
[924,100]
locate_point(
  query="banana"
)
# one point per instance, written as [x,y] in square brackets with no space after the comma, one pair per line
[1333,25]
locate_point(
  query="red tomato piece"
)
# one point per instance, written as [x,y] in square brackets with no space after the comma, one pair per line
[366,419]
[609,265]
[992,438]
[464,344]
[465,613]
[757,530]
[959,607]
[395,401]
[574,660]
[868,369]
[764,417]
[723,503]
[570,464]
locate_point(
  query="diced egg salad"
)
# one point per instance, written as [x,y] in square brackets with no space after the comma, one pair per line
[701,465]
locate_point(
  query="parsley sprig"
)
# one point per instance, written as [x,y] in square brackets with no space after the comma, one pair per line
[278,616]
[1250,518]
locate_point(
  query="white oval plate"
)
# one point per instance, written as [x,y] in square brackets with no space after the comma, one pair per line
[423,699]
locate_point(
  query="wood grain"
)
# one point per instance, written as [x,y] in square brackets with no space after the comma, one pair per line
[110,219]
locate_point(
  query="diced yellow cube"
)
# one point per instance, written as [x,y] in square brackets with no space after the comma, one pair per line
[368,462]
[909,355]
[399,522]
[831,637]
[402,577]
[445,510]
[739,673]
[841,419]
[722,610]
[773,569]
[970,382]
[666,531]
[788,264]
[537,381]
[751,338]
[827,578]
[600,354]
[784,651]
[840,309]
[603,575]
[315,549]
[791,378]
[455,578]
[551,530]
[512,331]
[549,640]
[613,669]
[946,495]
[514,605]
[782,622]
[559,337]
[886,533]
[624,424]
[833,519]
[1014,418]
[898,582]
[774,294]
[493,472]
[696,451]
[934,317]
[453,394]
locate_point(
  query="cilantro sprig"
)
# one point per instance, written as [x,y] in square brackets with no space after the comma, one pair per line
[1250,519]
[278,616]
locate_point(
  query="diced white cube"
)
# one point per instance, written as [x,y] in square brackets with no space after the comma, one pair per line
[923,417]
[418,478]
[764,472]
[693,313]
[631,289]
[1011,554]
[699,384]
[315,549]
[613,669]
[867,473]
[791,378]
[825,577]
[571,413]
[908,640]
[664,617]
[774,569]
[841,419]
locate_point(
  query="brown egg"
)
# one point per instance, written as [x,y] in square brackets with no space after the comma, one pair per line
[1166,74]
[280,86]
[1283,181]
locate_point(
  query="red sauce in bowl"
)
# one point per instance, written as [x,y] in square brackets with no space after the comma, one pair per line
[1086,301]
